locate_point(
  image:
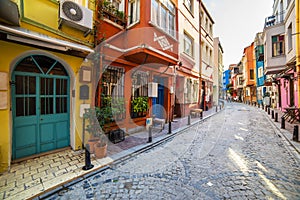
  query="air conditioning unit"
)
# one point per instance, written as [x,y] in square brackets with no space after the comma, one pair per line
[75,15]
[152,89]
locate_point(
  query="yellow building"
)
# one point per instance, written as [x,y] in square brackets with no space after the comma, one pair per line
[43,46]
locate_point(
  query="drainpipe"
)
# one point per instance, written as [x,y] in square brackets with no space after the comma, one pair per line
[200,57]
[297,34]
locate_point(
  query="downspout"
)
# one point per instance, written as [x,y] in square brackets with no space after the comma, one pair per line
[297,34]
[200,58]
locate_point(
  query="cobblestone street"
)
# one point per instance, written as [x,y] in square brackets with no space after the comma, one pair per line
[236,154]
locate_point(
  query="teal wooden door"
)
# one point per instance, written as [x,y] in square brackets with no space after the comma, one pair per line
[40,106]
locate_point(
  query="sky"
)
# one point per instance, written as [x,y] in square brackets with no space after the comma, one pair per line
[236,24]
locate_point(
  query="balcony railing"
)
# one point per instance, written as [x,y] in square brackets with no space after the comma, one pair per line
[274,19]
[108,11]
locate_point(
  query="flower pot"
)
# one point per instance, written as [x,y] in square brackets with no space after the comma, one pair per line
[99,150]
[92,143]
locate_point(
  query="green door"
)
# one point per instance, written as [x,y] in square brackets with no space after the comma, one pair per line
[40,106]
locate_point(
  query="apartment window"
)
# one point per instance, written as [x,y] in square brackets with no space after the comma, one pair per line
[189,5]
[260,72]
[277,45]
[240,81]
[134,11]
[251,74]
[163,15]
[111,86]
[139,88]
[289,35]
[195,91]
[188,45]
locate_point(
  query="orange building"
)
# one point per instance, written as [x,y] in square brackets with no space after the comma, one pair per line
[249,74]
[137,58]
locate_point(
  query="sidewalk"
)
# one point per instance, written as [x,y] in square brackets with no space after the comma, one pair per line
[287,133]
[33,178]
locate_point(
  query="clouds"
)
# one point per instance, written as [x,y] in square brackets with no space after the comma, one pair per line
[236,23]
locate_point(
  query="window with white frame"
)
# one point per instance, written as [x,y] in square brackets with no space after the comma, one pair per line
[163,15]
[189,85]
[290,39]
[189,5]
[133,11]
[260,72]
[188,44]
[277,45]
[195,91]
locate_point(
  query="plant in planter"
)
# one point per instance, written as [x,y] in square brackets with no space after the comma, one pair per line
[97,138]
[140,105]
[118,108]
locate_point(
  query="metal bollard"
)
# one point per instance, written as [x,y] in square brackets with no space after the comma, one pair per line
[258,105]
[296,133]
[189,119]
[201,115]
[276,117]
[87,158]
[272,114]
[269,111]
[170,127]
[266,108]
[216,108]
[220,107]
[150,134]
[282,122]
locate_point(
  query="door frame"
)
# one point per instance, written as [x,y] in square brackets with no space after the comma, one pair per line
[72,99]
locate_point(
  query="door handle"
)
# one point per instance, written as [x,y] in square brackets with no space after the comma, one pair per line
[41,119]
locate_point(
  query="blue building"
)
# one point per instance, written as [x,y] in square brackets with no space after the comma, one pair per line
[226,80]
[260,76]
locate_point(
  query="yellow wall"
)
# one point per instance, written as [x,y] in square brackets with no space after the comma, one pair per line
[9,52]
[43,16]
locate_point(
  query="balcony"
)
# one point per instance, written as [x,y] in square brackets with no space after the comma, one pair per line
[274,19]
[108,11]
[259,53]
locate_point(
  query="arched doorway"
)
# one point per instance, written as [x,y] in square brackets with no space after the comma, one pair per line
[40,106]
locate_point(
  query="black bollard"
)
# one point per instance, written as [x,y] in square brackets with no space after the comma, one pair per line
[272,114]
[220,107]
[201,115]
[258,105]
[276,117]
[150,134]
[269,111]
[170,127]
[282,122]
[189,119]
[266,108]
[87,159]
[296,133]
[216,108]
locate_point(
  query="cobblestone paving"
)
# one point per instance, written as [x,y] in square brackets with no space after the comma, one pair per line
[233,155]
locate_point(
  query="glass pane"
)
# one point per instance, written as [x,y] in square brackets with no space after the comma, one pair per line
[61,105]
[32,107]
[27,65]
[274,39]
[44,62]
[47,86]
[20,106]
[61,86]
[32,85]
[58,69]
[20,89]
[163,19]
[46,106]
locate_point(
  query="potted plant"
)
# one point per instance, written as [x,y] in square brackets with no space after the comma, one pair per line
[140,105]
[98,140]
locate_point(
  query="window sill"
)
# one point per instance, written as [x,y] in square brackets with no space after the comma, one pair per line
[133,24]
[159,28]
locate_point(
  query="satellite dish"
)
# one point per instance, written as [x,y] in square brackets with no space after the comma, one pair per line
[72,11]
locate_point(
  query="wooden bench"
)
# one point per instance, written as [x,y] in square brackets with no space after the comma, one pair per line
[196,112]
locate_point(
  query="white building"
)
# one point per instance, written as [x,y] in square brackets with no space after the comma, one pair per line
[218,71]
